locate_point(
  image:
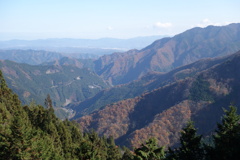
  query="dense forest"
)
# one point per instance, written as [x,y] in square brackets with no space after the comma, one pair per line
[34,132]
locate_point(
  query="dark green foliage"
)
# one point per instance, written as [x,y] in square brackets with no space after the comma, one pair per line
[200,90]
[113,150]
[128,155]
[227,138]
[149,151]
[33,132]
[99,148]
[225,144]
[190,145]
[7,97]
[48,102]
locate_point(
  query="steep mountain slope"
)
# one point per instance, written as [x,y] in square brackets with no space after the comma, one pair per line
[168,53]
[147,83]
[164,111]
[64,83]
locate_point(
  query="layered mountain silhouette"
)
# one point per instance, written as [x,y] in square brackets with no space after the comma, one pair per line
[199,92]
[69,44]
[199,43]
[32,57]
[168,53]
[155,91]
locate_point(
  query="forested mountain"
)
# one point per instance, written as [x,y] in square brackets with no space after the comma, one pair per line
[68,61]
[39,57]
[157,105]
[32,132]
[168,53]
[147,83]
[33,57]
[164,111]
[65,83]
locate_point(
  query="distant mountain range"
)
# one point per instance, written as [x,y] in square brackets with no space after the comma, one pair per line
[71,44]
[197,91]
[168,53]
[33,57]
[39,51]
[36,57]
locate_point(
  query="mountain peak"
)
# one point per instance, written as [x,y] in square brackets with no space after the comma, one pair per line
[168,53]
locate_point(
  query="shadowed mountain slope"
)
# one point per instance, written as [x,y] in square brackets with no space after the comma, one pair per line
[164,111]
[147,83]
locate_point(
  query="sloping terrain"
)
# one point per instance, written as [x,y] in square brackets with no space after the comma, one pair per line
[168,53]
[68,61]
[147,83]
[164,111]
[65,83]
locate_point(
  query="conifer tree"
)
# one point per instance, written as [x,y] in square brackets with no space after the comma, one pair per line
[227,138]
[5,131]
[20,142]
[149,151]
[128,155]
[7,97]
[112,150]
[66,141]
[48,101]
[49,105]
[190,145]
[33,132]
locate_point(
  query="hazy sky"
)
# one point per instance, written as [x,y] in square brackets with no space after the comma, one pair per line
[34,19]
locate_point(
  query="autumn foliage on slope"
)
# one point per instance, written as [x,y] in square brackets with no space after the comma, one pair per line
[164,111]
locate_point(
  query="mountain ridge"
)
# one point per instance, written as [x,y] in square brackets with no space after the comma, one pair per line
[147,83]
[103,43]
[64,83]
[168,53]
[164,111]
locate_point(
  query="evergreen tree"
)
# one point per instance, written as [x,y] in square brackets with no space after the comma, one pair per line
[49,105]
[42,146]
[5,131]
[48,102]
[190,145]
[7,97]
[20,142]
[227,138]
[149,151]
[171,154]
[112,150]
[66,140]
[128,155]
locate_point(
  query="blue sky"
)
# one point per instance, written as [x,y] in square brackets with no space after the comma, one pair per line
[38,19]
